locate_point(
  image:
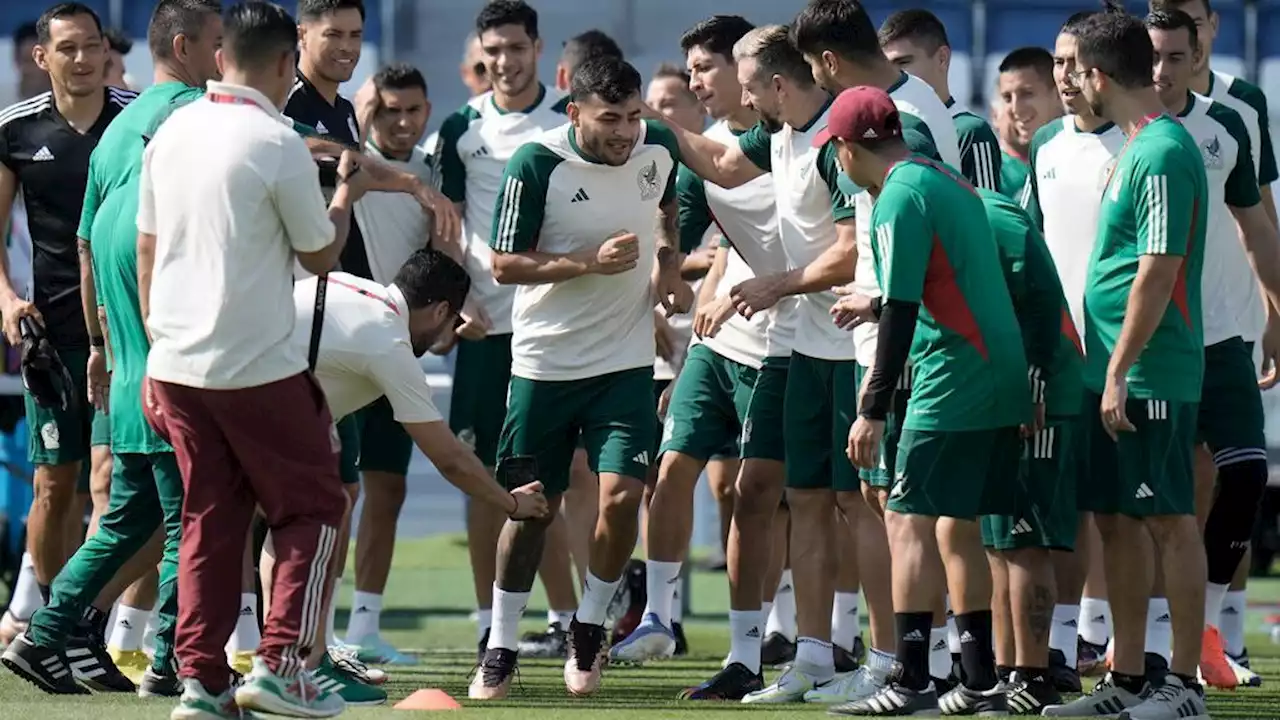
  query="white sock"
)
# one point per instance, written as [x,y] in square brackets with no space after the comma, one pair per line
[766,609]
[880,664]
[596,596]
[1159,628]
[783,618]
[484,622]
[953,634]
[1215,597]
[247,634]
[1064,631]
[659,583]
[744,638]
[149,635]
[560,617]
[844,619]
[366,617]
[677,603]
[1095,620]
[128,628]
[26,592]
[817,659]
[939,653]
[508,608]
[1231,621]
[330,634]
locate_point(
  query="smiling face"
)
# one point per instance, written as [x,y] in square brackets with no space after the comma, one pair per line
[607,131]
[75,56]
[1064,75]
[713,79]
[671,98]
[331,44]
[1027,102]
[401,120]
[510,58]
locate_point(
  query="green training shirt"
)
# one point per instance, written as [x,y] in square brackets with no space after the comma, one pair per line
[1015,183]
[1154,203]
[933,246]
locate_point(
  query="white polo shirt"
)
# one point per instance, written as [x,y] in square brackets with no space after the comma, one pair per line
[365,350]
[230,192]
[394,225]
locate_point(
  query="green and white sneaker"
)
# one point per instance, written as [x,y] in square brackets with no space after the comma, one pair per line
[300,697]
[790,687]
[346,684]
[197,703]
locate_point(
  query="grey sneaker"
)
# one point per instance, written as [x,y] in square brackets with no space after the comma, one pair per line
[267,692]
[199,704]
[1174,700]
[156,684]
[1106,700]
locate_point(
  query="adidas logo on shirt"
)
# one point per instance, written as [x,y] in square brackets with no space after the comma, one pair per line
[754,632]
[580,196]
[1144,492]
[42,155]
[320,128]
[1021,527]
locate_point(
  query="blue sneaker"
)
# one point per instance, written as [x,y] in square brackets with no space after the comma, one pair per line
[373,650]
[649,641]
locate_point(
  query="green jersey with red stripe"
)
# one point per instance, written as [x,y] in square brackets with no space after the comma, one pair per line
[1154,203]
[969,367]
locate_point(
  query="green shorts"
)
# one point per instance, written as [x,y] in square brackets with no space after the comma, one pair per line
[882,476]
[960,474]
[1144,473]
[349,457]
[613,413]
[708,405]
[1045,513]
[479,401]
[1230,418]
[822,398]
[58,437]
[762,436]
[384,445]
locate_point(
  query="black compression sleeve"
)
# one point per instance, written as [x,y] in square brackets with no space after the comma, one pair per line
[893,345]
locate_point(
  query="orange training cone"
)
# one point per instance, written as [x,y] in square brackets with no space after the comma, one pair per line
[428,699]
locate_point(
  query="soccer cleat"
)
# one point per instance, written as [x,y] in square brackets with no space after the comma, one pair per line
[588,654]
[482,646]
[154,684]
[790,687]
[1030,696]
[345,658]
[372,649]
[197,703]
[845,688]
[1214,667]
[45,668]
[1091,659]
[10,628]
[649,641]
[133,664]
[734,682]
[1106,700]
[492,680]
[1171,701]
[552,644]
[346,685]
[1242,659]
[682,643]
[1245,676]
[777,650]
[299,696]
[893,700]
[92,664]
[845,661]
[241,661]
[1065,678]
[960,700]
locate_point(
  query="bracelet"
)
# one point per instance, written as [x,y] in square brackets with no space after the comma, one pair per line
[514,500]
[97,341]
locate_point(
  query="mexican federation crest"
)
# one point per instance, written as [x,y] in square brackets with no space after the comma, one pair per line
[1212,152]
[650,186]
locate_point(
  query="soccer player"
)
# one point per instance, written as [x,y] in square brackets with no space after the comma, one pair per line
[1020,544]
[118,46]
[712,397]
[960,445]
[476,142]
[1230,415]
[1029,100]
[1145,363]
[45,145]
[916,41]
[1251,104]
[582,344]
[580,48]
[843,48]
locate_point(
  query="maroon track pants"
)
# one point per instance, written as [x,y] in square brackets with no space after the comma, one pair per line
[274,446]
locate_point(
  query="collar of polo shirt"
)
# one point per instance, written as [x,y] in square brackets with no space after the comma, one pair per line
[245,92]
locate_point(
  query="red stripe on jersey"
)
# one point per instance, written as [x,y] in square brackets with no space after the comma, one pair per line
[1179,297]
[946,303]
[390,305]
[1069,331]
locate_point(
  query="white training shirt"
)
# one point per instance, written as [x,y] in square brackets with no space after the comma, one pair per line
[1069,170]
[474,146]
[922,112]
[739,339]
[230,191]
[394,225]
[557,200]
[365,348]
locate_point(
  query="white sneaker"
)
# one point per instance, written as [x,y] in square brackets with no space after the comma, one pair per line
[845,688]
[1171,701]
[1245,676]
[790,687]
[1106,700]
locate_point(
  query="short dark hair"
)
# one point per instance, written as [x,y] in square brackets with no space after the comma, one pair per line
[919,26]
[584,46]
[26,32]
[400,76]
[316,9]
[172,18]
[508,12]
[1035,59]
[770,46]
[429,276]
[717,35]
[60,11]
[608,79]
[257,32]
[841,26]
[118,41]
[1075,21]
[1173,20]
[1117,44]
[671,71]
[1179,4]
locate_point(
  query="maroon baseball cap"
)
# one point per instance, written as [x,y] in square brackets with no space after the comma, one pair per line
[861,113]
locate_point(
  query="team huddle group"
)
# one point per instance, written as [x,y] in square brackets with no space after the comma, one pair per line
[1000,383]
